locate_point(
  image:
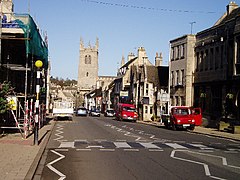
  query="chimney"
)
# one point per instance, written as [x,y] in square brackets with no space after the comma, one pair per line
[231,6]
[141,56]
[158,59]
[130,56]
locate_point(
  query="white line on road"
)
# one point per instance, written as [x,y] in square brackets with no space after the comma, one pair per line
[121,140]
[49,165]
[201,146]
[61,150]
[66,145]
[207,171]
[149,145]
[59,132]
[132,150]
[175,146]
[231,152]
[94,147]
[179,141]
[109,150]
[155,150]
[83,149]
[122,145]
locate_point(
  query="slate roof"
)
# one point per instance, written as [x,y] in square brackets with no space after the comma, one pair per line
[231,16]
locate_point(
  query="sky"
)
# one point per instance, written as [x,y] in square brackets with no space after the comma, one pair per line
[122,26]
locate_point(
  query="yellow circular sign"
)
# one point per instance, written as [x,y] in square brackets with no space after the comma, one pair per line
[38,63]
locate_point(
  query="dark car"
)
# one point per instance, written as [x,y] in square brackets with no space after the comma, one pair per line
[81,112]
[94,113]
[109,113]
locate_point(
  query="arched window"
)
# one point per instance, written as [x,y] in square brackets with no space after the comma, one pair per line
[87,59]
[87,74]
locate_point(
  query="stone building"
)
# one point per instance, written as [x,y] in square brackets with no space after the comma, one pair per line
[182,68]
[217,66]
[88,68]
[147,92]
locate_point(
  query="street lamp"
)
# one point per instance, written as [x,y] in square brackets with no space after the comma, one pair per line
[38,65]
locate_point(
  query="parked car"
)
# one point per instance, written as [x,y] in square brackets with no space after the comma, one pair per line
[81,111]
[94,113]
[109,113]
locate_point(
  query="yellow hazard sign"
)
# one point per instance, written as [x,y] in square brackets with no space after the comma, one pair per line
[12,101]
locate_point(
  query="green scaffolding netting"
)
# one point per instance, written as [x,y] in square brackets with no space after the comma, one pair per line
[34,42]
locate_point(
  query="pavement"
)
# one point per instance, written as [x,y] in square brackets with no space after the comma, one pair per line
[20,157]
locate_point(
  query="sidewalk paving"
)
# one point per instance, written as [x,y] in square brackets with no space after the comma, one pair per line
[20,158]
[202,130]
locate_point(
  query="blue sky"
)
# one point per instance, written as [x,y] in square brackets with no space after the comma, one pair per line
[121,29]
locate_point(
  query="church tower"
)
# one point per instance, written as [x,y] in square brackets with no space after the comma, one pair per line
[88,67]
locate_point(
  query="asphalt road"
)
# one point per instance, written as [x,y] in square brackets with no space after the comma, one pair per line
[102,148]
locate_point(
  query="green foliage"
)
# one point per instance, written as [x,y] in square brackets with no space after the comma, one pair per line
[5,90]
[61,82]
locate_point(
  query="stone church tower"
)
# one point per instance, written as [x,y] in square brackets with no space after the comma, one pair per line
[88,67]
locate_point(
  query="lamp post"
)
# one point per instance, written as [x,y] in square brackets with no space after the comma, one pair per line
[38,65]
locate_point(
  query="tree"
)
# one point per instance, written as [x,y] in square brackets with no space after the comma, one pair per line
[5,90]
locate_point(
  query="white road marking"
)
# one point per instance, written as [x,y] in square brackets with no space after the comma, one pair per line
[155,150]
[62,150]
[80,140]
[100,140]
[138,139]
[205,151]
[175,146]
[49,165]
[59,132]
[233,149]
[141,140]
[197,142]
[207,171]
[131,150]
[121,140]
[94,147]
[201,146]
[83,149]
[111,150]
[179,141]
[231,152]
[66,145]
[122,145]
[149,145]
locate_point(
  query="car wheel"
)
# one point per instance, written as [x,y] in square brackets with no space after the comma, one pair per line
[192,128]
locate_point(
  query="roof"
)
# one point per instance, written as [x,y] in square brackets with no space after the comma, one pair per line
[129,62]
[152,74]
[231,16]
[223,20]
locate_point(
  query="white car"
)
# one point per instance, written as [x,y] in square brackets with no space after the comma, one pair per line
[95,113]
[109,113]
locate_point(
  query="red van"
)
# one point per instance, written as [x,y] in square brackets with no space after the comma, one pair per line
[126,112]
[185,117]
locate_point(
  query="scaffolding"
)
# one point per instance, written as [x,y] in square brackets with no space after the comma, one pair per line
[23,119]
[21,31]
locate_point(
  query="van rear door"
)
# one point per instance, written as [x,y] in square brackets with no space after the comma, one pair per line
[197,114]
